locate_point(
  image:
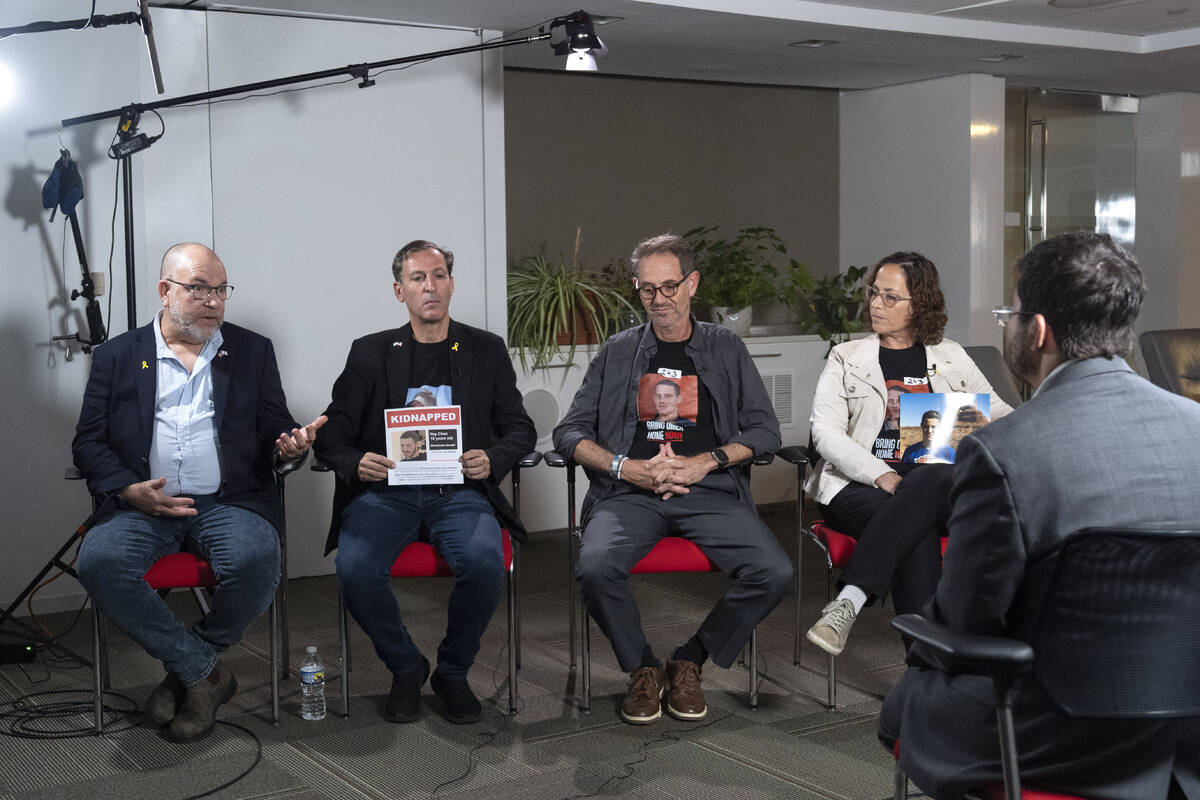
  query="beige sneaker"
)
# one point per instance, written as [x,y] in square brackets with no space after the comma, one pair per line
[833,628]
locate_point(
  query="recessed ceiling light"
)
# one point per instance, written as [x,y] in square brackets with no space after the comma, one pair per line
[1175,12]
[599,20]
[1081,3]
[814,43]
[998,57]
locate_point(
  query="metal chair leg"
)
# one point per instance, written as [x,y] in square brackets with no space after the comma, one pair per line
[273,633]
[98,679]
[900,789]
[832,660]
[344,644]
[513,634]
[585,657]
[753,668]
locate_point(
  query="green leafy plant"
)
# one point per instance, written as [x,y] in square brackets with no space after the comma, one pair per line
[833,306]
[556,302]
[742,271]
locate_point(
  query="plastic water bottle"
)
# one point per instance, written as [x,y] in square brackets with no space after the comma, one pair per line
[312,685]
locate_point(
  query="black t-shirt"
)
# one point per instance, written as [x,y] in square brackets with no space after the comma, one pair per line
[673,406]
[428,385]
[904,372]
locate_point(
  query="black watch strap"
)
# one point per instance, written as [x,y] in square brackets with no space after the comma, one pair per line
[721,457]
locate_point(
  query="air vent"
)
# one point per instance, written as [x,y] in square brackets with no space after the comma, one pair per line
[779,389]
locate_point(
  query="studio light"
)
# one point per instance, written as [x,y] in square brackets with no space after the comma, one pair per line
[581,45]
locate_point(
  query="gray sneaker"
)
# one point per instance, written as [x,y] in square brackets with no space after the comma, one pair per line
[833,628]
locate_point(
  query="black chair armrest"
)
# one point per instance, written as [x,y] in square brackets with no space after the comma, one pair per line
[762,459]
[554,458]
[794,453]
[318,465]
[530,460]
[995,656]
[284,468]
[72,474]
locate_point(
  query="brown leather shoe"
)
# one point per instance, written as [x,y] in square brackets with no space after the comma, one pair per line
[164,702]
[201,700]
[685,700]
[643,699]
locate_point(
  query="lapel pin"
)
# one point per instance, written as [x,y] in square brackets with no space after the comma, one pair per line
[145,365]
[397,344]
[222,353]
[454,347]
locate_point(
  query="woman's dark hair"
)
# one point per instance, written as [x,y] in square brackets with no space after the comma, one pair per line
[925,289]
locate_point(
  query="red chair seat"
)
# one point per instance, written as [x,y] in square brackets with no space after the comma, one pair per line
[674,554]
[422,560]
[180,571]
[840,546]
[996,792]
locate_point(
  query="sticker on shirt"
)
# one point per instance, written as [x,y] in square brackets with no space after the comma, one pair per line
[426,396]
[425,443]
[887,443]
[933,425]
[667,405]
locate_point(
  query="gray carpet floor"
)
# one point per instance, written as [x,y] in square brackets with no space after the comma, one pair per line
[791,746]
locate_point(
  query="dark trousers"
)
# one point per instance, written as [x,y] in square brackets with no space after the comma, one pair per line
[899,536]
[377,525]
[622,529]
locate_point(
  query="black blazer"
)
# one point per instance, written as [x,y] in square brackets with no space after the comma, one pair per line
[116,424]
[376,377]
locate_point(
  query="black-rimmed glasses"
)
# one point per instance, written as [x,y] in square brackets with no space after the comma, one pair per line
[1004,313]
[668,289]
[889,298]
[202,291]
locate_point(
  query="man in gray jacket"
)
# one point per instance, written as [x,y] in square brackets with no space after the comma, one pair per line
[652,478]
[1096,446]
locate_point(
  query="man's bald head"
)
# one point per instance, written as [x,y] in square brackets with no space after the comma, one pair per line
[185,255]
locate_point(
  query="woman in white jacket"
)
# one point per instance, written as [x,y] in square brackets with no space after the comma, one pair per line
[896,511]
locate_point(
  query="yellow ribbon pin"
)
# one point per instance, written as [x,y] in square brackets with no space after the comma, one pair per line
[454,347]
[145,365]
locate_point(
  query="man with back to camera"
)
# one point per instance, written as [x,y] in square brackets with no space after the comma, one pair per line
[1021,485]
[373,522]
[182,421]
[652,478]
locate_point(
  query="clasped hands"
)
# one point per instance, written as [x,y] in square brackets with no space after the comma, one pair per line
[667,474]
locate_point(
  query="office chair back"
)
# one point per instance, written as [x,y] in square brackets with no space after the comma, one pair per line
[1173,360]
[1119,630]
[991,364]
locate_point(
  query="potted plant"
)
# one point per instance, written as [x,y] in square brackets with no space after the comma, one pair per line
[737,273]
[833,306]
[555,302]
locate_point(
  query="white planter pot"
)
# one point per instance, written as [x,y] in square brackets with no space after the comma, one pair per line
[737,320]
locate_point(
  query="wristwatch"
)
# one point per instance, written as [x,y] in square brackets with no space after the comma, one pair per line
[721,457]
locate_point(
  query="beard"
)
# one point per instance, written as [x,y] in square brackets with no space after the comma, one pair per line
[188,325]
[1018,351]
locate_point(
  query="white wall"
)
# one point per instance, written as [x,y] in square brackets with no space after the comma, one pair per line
[1168,205]
[922,168]
[305,195]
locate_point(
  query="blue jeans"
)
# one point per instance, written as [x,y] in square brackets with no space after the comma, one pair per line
[241,546]
[377,525]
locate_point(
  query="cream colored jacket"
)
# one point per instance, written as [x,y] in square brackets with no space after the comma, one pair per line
[850,403]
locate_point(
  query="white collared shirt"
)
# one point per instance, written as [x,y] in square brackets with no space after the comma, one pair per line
[183,448]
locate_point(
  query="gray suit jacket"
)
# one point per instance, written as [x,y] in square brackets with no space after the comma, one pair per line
[1097,446]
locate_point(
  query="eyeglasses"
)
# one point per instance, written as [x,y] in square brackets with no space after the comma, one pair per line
[668,289]
[1004,313]
[889,298]
[202,291]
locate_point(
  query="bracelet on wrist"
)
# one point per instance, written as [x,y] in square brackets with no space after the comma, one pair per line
[614,469]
